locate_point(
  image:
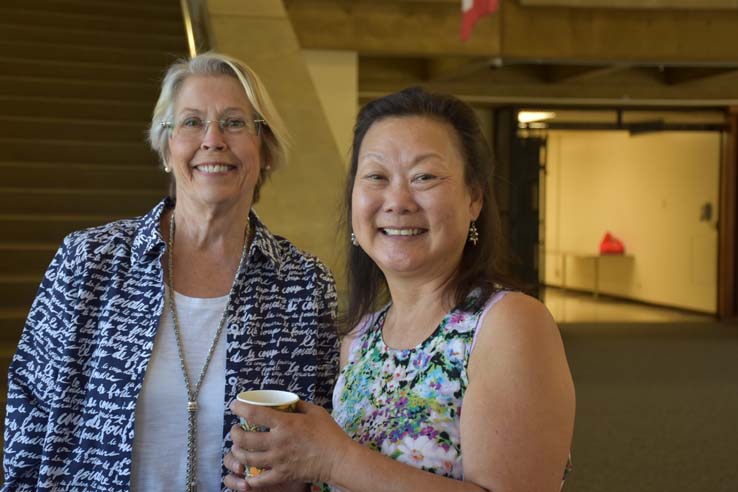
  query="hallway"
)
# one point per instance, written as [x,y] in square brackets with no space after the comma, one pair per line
[571,307]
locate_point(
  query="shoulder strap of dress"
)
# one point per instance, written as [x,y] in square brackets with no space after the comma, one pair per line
[361,330]
[494,299]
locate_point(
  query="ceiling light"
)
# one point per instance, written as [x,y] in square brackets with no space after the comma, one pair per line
[531,116]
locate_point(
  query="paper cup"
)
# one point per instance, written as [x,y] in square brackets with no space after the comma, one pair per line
[284,401]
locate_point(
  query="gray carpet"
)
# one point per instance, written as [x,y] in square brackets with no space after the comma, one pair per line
[657,407]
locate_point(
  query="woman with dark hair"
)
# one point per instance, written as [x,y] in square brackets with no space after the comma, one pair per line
[450,380]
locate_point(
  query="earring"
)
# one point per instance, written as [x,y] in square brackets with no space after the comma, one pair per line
[473,233]
[354,241]
[167,169]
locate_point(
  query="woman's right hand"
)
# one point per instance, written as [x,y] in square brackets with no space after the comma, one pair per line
[234,481]
[238,485]
[305,446]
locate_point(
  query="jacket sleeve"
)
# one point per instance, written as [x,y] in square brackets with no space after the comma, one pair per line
[327,338]
[33,372]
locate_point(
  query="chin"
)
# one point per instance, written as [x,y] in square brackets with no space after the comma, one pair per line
[407,266]
[217,199]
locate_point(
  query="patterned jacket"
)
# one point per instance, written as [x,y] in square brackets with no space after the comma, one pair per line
[81,360]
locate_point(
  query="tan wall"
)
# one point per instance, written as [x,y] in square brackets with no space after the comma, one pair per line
[335,76]
[301,200]
[647,190]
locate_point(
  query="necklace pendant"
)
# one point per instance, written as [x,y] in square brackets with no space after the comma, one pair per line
[192,408]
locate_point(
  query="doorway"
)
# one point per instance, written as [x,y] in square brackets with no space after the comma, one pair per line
[649,178]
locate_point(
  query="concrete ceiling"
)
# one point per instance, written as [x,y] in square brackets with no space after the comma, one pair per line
[544,52]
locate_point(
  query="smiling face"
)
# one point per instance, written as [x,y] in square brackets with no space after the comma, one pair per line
[218,168]
[411,207]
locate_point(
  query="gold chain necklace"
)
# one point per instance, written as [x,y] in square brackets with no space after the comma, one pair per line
[193,392]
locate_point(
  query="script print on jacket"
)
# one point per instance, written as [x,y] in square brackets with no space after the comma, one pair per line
[81,361]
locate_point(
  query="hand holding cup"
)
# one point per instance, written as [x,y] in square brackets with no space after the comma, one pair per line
[283,401]
[304,446]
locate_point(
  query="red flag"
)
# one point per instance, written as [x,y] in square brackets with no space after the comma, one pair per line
[471,11]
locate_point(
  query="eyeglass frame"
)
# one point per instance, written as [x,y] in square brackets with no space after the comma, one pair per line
[170,125]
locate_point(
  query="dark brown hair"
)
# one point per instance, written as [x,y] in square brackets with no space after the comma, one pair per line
[479,267]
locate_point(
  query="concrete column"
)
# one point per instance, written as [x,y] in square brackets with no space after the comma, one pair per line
[301,202]
[335,74]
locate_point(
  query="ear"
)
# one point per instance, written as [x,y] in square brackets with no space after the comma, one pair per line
[476,203]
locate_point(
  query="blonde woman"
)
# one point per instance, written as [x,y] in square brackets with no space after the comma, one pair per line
[143,330]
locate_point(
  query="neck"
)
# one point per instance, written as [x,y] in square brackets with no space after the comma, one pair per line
[219,231]
[206,249]
[417,308]
[412,293]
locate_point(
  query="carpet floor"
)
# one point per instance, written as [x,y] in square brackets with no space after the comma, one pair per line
[657,407]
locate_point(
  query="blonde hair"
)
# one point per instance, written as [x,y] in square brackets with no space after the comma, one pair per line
[274,137]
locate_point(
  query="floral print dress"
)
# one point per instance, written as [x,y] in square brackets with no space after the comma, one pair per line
[407,403]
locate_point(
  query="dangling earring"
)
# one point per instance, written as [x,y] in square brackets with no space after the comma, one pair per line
[473,233]
[354,241]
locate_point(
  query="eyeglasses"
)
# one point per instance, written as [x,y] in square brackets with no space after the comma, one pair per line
[193,127]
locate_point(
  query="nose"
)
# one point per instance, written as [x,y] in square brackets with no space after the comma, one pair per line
[399,198]
[214,137]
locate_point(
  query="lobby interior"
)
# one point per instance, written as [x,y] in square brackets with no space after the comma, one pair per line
[636,135]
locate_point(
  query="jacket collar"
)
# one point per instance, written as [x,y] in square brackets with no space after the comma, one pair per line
[149,245]
[265,243]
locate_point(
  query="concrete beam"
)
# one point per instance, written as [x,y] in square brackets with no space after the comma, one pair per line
[636,87]
[398,28]
[639,4]
[519,33]
[606,35]
[682,75]
[558,74]
[448,69]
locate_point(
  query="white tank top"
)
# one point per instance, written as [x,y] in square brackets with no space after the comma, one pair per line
[160,439]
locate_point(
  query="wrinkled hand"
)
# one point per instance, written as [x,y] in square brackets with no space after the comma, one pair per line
[305,446]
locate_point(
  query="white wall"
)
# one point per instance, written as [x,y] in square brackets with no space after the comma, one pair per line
[647,190]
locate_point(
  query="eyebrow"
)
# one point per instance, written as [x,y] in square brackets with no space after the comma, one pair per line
[378,156]
[226,110]
[369,155]
[429,155]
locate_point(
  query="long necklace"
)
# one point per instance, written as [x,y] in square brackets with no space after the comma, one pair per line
[194,391]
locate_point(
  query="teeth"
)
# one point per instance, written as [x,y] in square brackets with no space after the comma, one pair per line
[213,168]
[403,232]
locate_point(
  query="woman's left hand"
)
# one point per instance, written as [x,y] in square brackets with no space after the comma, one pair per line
[304,446]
